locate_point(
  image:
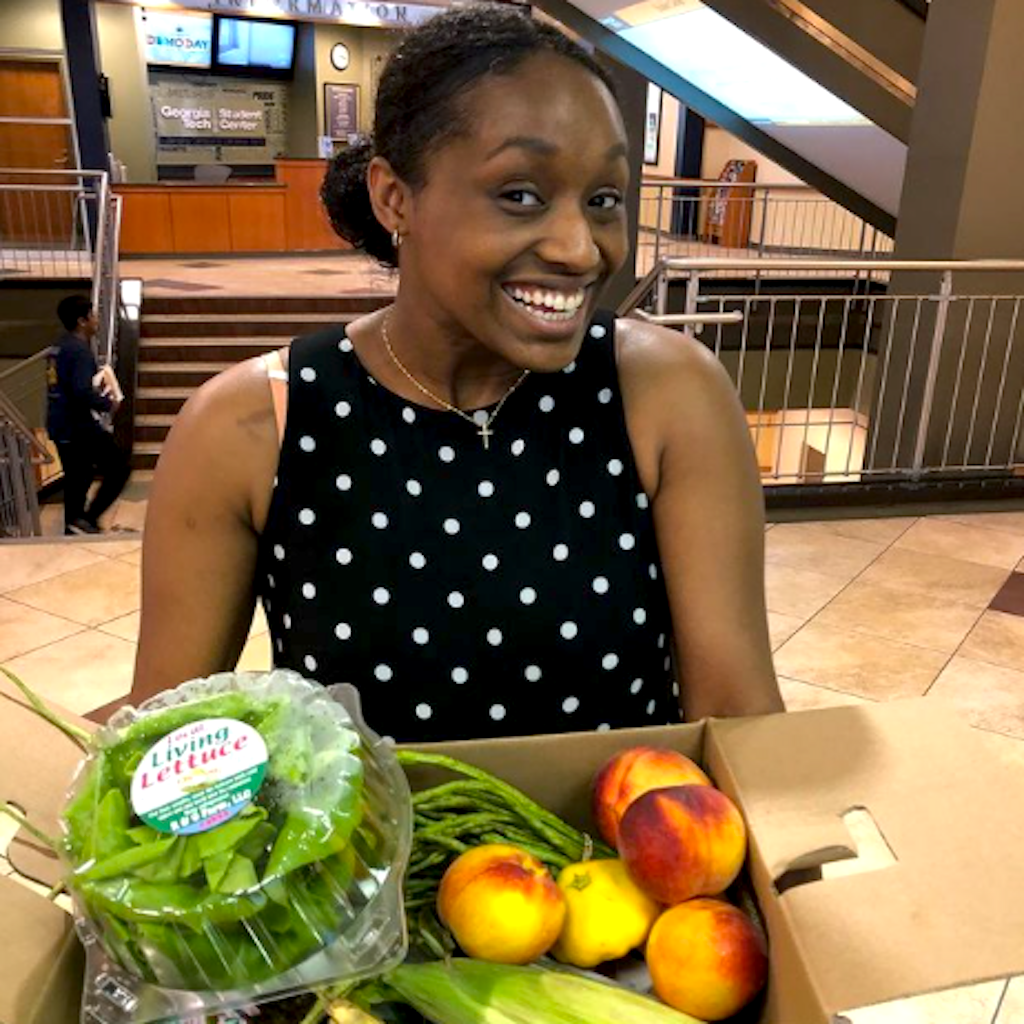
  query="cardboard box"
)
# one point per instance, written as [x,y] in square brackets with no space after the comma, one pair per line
[945,910]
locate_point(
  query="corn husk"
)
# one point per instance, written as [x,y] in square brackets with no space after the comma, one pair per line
[465,991]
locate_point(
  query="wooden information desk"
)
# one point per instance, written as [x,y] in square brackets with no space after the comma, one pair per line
[284,215]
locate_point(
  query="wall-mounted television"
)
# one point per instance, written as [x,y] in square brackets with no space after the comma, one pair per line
[257,47]
[173,39]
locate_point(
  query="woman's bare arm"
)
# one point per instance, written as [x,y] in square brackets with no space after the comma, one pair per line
[208,503]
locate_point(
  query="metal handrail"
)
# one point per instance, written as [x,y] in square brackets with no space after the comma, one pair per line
[9,414]
[106,355]
[811,263]
[791,186]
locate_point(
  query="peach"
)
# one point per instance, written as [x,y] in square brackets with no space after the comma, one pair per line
[682,842]
[632,773]
[706,958]
[501,904]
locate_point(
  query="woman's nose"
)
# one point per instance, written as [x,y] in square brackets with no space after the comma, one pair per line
[569,242]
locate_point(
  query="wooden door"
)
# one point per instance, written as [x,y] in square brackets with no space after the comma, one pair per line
[33,92]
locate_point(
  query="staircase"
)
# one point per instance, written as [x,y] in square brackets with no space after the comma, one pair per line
[186,340]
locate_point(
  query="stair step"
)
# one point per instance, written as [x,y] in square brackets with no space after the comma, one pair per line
[165,350]
[153,426]
[361,302]
[181,374]
[161,400]
[235,325]
[145,455]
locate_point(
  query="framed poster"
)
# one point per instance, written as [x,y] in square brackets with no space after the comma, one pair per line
[341,110]
[652,124]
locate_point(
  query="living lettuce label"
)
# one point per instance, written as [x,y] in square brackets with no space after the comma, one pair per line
[199,776]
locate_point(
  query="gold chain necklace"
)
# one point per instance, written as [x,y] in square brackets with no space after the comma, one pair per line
[484,428]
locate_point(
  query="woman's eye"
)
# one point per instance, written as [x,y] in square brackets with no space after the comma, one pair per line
[607,201]
[522,197]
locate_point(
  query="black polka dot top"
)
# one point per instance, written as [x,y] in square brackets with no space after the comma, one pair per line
[467,592]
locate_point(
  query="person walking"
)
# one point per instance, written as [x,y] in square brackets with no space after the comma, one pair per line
[75,405]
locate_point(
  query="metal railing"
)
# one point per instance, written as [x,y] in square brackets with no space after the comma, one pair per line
[695,217]
[921,377]
[21,452]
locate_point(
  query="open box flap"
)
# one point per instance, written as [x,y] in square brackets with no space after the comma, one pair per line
[37,763]
[948,910]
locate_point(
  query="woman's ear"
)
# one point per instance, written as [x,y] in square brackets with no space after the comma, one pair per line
[390,197]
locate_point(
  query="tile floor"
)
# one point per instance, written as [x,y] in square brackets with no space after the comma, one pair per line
[860,610]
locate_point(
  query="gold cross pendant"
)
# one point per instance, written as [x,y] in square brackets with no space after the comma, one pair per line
[485,432]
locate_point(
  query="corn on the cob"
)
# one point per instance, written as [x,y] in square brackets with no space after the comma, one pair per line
[464,991]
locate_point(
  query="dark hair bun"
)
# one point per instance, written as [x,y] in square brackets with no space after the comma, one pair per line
[346,198]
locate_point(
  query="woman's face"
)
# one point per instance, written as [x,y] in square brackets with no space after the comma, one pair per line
[522,221]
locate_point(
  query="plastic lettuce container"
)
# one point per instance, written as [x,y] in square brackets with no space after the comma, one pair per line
[239,838]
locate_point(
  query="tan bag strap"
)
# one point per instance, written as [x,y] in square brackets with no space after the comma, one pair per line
[277,376]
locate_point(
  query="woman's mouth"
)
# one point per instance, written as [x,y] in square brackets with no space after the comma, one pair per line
[549,305]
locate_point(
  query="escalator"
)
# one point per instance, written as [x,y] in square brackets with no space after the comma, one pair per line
[825,88]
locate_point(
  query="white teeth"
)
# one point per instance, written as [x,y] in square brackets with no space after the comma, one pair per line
[550,305]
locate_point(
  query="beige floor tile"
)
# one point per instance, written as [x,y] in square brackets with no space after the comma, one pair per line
[782,627]
[814,547]
[24,564]
[83,672]
[856,663]
[798,592]
[91,595]
[135,558]
[125,626]
[968,543]
[24,629]
[910,616]
[974,1004]
[949,579]
[257,655]
[1008,522]
[998,638]
[1009,749]
[875,531]
[112,548]
[1012,1010]
[129,515]
[807,697]
[990,696]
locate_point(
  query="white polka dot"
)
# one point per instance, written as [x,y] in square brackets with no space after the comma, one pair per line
[494,637]
[420,635]
[642,500]
[587,509]
[560,552]
[546,404]
[518,446]
[383,672]
[604,727]
[343,482]
[480,417]
[307,444]
[345,345]
[380,520]
[414,487]
[308,374]
[459,675]
[627,541]
[668,663]
[533,673]
[310,662]
[279,644]
[576,435]
[675,688]
[307,517]
[446,453]
[652,571]
[278,552]
[490,562]
[485,488]
[568,630]
[604,396]
[388,740]
[287,620]
[408,415]
[527,595]
[609,661]
[552,477]
[661,640]
[377,446]
[308,591]
[600,585]
[615,467]
[381,595]
[497,712]
[570,704]
[451,526]
[343,631]
[651,705]
[598,331]
[639,616]
[342,409]
[372,380]
[343,555]
[636,686]
[522,520]
[270,582]
[417,560]
[570,367]
[424,711]
[455,599]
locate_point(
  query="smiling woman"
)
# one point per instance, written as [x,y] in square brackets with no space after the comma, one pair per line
[491,506]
